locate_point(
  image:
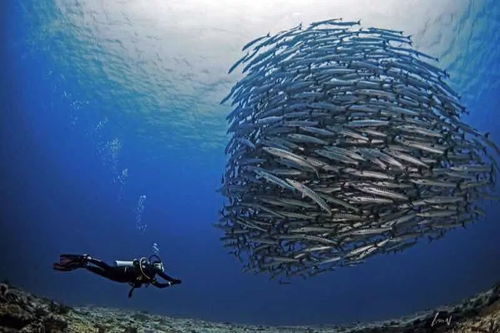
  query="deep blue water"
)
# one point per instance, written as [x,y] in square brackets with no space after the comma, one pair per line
[65,143]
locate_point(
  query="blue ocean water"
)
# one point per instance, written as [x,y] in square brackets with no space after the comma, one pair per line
[112,140]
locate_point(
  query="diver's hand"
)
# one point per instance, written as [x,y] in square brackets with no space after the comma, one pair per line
[176,281]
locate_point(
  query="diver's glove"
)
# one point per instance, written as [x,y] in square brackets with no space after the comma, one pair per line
[176,281]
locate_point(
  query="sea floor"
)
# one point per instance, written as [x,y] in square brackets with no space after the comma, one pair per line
[21,311]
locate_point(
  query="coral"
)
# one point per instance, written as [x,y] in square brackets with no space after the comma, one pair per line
[23,312]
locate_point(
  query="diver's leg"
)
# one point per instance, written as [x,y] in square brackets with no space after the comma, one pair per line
[98,263]
[109,272]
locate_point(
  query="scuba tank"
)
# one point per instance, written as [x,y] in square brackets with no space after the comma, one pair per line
[153,259]
[124,263]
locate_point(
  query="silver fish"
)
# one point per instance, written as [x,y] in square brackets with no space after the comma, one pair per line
[306,191]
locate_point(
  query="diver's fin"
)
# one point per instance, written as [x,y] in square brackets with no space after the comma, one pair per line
[69,262]
[59,267]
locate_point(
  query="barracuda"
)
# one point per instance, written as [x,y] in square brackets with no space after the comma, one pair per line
[345,143]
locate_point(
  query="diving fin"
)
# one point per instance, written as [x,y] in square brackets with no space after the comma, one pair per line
[63,268]
[69,262]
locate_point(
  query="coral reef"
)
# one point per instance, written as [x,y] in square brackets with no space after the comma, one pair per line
[21,311]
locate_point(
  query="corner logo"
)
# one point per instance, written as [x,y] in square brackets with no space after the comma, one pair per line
[440,318]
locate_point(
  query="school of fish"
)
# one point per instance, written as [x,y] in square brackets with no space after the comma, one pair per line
[345,142]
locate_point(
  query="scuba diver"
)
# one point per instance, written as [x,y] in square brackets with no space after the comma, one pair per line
[136,273]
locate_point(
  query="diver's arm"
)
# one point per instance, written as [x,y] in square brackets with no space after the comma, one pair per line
[170,279]
[166,277]
[161,285]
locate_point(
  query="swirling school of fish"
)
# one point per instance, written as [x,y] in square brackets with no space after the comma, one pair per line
[345,143]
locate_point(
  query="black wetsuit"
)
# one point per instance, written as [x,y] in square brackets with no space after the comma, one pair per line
[139,273]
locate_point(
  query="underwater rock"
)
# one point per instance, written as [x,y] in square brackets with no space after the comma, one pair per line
[141,316]
[130,330]
[480,313]
[14,316]
[22,312]
[52,323]
[345,143]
